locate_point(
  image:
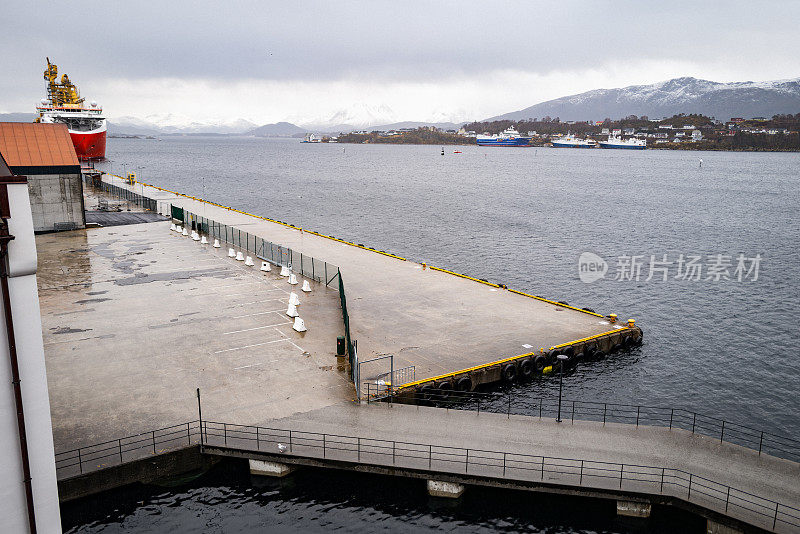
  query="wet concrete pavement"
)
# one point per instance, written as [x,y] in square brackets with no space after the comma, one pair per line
[136,317]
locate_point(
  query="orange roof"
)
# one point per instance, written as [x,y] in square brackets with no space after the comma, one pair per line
[28,144]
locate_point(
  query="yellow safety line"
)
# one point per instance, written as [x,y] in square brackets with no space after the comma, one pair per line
[268,219]
[464,276]
[363,247]
[556,303]
[504,360]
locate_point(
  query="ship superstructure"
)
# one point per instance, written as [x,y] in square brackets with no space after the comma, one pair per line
[86,124]
[508,137]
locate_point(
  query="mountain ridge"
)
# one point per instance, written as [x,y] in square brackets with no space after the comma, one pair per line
[670,97]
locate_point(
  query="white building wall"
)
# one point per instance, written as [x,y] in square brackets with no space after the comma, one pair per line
[33,377]
[55,199]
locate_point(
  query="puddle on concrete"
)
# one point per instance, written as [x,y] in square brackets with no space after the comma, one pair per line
[90,300]
[142,278]
[68,330]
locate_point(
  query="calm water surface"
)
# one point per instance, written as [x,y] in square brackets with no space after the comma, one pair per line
[523,217]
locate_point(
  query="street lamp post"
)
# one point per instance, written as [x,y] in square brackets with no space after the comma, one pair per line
[562,359]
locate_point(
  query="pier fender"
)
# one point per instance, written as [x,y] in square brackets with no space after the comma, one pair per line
[509,372]
[526,368]
[629,341]
[590,351]
[539,363]
[423,394]
[600,355]
[464,384]
[444,390]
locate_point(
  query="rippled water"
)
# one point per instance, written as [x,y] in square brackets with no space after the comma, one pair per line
[523,217]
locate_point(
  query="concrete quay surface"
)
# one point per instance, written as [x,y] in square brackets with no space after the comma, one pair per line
[435,321]
[136,317]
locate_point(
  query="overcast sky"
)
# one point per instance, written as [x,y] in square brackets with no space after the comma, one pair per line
[434,60]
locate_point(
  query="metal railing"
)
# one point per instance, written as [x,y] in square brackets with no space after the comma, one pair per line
[309,267]
[507,465]
[122,193]
[593,474]
[607,412]
[128,449]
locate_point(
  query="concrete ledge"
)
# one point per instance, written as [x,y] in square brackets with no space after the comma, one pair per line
[146,470]
[634,509]
[448,490]
[270,469]
[712,527]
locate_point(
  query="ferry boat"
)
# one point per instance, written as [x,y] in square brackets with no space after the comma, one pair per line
[87,126]
[508,137]
[311,138]
[632,143]
[570,141]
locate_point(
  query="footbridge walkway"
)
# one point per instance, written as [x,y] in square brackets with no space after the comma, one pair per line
[719,480]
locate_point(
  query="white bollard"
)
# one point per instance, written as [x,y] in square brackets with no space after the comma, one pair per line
[204,241]
[239,256]
[173,227]
[185,233]
[249,261]
[195,236]
[285,271]
[216,243]
[293,299]
[291,311]
[179,229]
[299,325]
[231,253]
[293,279]
[265,266]
[306,286]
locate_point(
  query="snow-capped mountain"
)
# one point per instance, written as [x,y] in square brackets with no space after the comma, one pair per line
[171,123]
[679,95]
[357,116]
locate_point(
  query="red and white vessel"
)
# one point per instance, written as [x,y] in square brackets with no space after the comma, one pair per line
[63,104]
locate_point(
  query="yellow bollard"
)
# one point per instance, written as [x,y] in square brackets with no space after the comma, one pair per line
[612,318]
[424,266]
[631,323]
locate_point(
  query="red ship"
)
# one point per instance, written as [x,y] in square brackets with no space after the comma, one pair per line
[87,126]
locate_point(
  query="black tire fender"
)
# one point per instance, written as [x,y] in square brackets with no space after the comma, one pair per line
[509,372]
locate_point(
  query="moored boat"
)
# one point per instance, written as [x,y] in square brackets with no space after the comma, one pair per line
[87,126]
[570,141]
[508,137]
[631,143]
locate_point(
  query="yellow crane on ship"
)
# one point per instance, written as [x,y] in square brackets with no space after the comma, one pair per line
[63,94]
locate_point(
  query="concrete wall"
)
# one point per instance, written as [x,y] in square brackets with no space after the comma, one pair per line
[33,379]
[56,198]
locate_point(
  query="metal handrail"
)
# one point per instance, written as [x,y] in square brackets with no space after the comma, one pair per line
[505,464]
[607,412]
[502,464]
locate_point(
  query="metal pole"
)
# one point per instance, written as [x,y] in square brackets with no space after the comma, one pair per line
[721,434]
[200,417]
[560,386]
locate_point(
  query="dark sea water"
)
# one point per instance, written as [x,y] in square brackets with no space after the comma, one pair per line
[523,217]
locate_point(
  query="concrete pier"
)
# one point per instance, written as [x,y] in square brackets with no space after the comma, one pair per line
[270,469]
[634,509]
[433,320]
[447,490]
